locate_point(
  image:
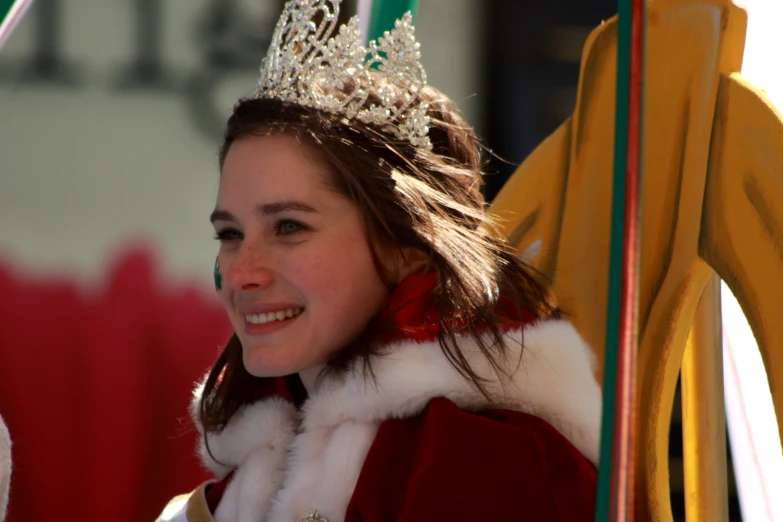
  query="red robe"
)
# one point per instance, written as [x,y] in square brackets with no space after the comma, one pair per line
[421,444]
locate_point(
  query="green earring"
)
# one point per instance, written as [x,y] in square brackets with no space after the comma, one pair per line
[218,279]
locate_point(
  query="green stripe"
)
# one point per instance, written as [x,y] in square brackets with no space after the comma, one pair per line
[615,258]
[5,8]
[385,12]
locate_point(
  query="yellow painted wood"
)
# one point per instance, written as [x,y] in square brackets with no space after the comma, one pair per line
[742,228]
[530,206]
[561,196]
[703,413]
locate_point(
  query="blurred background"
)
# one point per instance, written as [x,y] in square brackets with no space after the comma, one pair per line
[110,118]
[112,111]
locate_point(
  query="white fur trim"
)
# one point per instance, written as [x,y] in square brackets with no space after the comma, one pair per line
[324,468]
[255,442]
[267,426]
[250,492]
[554,380]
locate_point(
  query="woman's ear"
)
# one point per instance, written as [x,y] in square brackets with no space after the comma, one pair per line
[409,261]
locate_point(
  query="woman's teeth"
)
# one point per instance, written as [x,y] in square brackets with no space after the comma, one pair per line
[273,316]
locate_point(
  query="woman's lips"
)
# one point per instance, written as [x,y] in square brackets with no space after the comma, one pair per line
[253,328]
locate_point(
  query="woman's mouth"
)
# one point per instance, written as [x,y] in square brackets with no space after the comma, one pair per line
[269,322]
[269,317]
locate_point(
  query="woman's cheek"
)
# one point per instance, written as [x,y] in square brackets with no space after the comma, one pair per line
[307,268]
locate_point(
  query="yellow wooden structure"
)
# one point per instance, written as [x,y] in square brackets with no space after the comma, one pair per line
[712,207]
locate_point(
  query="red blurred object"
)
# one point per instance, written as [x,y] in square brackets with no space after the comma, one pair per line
[95,388]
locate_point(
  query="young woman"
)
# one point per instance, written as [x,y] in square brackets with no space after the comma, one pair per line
[392,359]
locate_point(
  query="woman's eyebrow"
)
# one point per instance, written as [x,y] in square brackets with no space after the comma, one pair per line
[266,209]
[221,215]
[283,206]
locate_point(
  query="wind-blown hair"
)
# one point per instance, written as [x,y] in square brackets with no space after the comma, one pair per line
[430,200]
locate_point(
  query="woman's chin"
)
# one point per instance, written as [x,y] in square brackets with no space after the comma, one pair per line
[264,361]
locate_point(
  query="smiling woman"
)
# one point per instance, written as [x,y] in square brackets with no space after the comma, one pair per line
[301,283]
[391,358]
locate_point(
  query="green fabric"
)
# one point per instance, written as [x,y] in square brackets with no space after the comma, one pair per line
[385,12]
[615,259]
[5,8]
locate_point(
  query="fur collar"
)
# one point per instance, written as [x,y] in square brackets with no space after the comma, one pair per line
[285,460]
[553,380]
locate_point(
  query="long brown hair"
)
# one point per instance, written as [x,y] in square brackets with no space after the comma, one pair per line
[407,197]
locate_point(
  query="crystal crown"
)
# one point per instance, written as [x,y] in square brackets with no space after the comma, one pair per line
[308,66]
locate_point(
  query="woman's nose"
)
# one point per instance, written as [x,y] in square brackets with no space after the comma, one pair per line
[251,269]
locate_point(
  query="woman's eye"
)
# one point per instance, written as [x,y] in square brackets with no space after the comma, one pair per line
[228,234]
[289,227]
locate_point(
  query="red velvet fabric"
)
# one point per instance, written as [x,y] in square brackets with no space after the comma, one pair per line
[410,314]
[447,464]
[94,387]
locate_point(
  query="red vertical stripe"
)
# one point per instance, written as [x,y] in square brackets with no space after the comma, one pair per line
[625,418]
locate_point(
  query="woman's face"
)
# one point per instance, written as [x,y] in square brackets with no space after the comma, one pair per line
[298,280]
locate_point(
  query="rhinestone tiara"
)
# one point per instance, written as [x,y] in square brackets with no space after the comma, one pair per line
[308,66]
